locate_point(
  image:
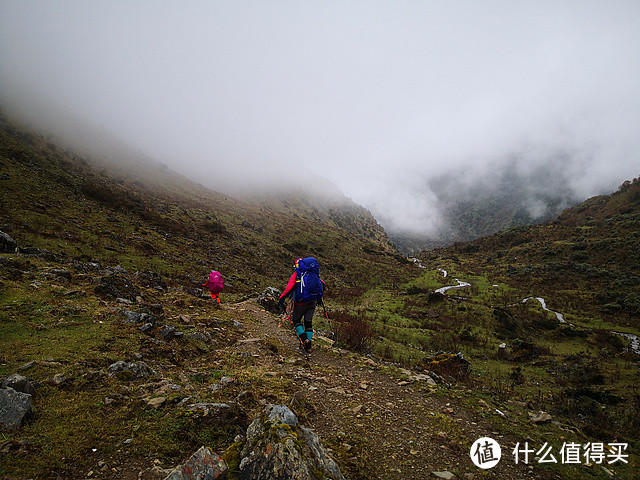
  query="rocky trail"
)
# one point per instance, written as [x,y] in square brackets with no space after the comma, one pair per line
[379,421]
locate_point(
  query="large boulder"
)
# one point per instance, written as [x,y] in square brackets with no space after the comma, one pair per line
[278,448]
[7,244]
[14,408]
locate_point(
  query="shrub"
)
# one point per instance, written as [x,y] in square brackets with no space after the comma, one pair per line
[446,364]
[352,332]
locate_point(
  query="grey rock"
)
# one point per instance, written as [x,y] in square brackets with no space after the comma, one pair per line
[168,332]
[156,473]
[135,317]
[156,402]
[19,384]
[224,382]
[446,475]
[339,390]
[238,326]
[281,414]
[7,244]
[423,377]
[31,250]
[131,317]
[268,299]
[201,337]
[146,328]
[59,380]
[214,408]
[277,448]
[117,285]
[324,462]
[202,465]
[27,366]
[14,408]
[130,370]
[540,417]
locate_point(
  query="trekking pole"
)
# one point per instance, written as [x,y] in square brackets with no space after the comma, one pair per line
[286,315]
[335,335]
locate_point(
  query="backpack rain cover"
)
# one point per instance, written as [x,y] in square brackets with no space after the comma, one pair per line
[215,283]
[309,287]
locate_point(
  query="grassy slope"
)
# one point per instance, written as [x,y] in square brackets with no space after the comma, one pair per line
[587,261]
[332,208]
[155,219]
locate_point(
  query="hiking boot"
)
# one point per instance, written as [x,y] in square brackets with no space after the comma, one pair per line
[307,345]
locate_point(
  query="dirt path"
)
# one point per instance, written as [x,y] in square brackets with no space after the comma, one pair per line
[378,421]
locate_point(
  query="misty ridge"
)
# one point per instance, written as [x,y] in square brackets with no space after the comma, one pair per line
[461,204]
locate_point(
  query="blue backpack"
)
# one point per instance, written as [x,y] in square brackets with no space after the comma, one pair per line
[309,287]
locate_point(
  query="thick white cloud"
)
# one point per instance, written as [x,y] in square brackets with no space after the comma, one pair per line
[359,92]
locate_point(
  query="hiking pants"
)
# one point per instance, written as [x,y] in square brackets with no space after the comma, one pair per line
[303,311]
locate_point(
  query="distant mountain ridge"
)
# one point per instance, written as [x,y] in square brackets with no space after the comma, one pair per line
[319,201]
[475,206]
[324,203]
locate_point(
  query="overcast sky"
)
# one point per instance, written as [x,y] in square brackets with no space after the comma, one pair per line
[376,96]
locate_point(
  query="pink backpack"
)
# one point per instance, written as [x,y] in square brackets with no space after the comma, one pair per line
[215,283]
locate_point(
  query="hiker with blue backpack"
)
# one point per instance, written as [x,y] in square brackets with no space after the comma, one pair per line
[306,289]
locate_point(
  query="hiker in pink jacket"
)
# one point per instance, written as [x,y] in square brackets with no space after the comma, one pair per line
[215,285]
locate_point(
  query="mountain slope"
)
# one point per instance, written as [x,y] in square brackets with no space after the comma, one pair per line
[146,215]
[590,253]
[113,279]
[320,201]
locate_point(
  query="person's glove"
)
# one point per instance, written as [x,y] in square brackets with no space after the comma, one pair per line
[281,305]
